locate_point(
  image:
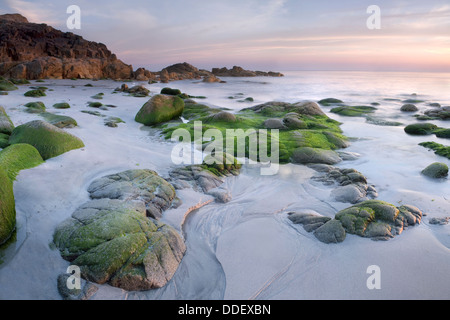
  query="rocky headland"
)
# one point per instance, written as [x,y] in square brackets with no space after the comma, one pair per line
[38,51]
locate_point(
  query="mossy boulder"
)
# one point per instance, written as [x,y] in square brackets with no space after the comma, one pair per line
[49,140]
[436,170]
[35,107]
[6,125]
[6,85]
[95,104]
[159,109]
[4,140]
[442,133]
[353,111]
[59,121]
[7,207]
[170,91]
[330,101]
[61,105]
[378,220]
[438,148]
[421,128]
[19,157]
[409,107]
[112,241]
[35,93]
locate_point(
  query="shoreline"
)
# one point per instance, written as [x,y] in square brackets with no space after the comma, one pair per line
[258,209]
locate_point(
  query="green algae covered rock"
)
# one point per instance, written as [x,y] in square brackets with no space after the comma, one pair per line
[18,157]
[112,241]
[7,207]
[6,125]
[421,128]
[35,93]
[59,121]
[377,219]
[4,140]
[159,109]
[61,105]
[170,91]
[330,101]
[301,125]
[354,111]
[49,140]
[438,148]
[436,170]
[6,85]
[35,107]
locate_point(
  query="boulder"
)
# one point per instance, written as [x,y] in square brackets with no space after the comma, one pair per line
[112,241]
[59,121]
[62,105]
[436,170]
[159,109]
[19,157]
[6,125]
[7,207]
[223,116]
[308,108]
[49,140]
[35,107]
[421,128]
[307,155]
[331,232]
[274,124]
[378,220]
[409,108]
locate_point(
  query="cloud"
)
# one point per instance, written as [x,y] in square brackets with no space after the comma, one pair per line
[34,11]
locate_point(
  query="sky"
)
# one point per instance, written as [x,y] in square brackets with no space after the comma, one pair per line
[268,35]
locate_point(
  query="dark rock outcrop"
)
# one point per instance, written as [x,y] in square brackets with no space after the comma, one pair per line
[240,72]
[36,51]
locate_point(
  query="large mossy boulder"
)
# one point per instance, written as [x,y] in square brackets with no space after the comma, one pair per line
[378,220]
[436,170]
[6,125]
[18,157]
[49,140]
[159,109]
[7,207]
[112,241]
[143,185]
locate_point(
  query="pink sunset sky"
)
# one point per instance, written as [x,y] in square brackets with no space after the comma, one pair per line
[260,34]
